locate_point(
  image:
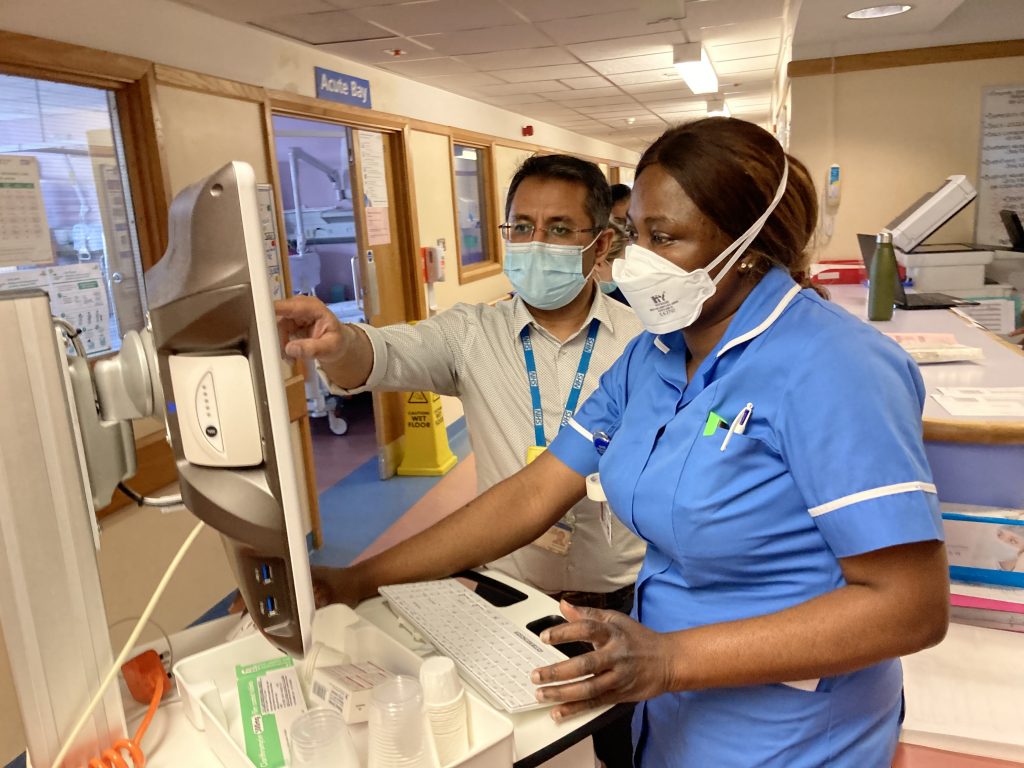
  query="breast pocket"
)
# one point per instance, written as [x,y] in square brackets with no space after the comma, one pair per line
[725,505]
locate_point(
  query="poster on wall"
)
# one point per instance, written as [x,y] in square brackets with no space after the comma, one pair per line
[268,227]
[24,233]
[1001,172]
[375,187]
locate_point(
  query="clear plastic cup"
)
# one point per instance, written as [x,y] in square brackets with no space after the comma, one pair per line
[398,735]
[320,739]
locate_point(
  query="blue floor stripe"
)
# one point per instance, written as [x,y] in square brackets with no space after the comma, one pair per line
[359,508]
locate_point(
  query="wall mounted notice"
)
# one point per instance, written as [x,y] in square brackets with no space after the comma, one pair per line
[345,89]
[77,294]
[24,233]
[375,187]
[1001,175]
[268,227]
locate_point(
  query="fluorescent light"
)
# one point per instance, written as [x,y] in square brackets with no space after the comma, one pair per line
[718,108]
[695,68]
[879,11]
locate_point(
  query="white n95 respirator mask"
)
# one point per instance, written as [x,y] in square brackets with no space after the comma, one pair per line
[669,298]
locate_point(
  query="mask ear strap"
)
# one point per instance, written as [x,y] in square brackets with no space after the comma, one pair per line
[743,242]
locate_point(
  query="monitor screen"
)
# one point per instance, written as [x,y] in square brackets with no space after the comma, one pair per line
[222,376]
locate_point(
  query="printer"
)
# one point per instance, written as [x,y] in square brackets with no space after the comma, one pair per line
[939,266]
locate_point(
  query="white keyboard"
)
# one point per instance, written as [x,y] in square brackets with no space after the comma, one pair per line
[493,654]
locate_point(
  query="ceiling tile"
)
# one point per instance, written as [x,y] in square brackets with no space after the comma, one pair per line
[324,27]
[623,114]
[634,63]
[647,92]
[621,47]
[676,105]
[461,81]
[606,101]
[427,67]
[557,72]
[439,16]
[760,78]
[538,57]
[511,89]
[589,93]
[545,10]
[728,51]
[376,51]
[582,83]
[708,13]
[658,76]
[508,38]
[348,5]
[251,10]
[745,65]
[605,26]
[727,31]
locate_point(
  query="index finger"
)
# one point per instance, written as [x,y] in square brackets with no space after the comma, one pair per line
[302,309]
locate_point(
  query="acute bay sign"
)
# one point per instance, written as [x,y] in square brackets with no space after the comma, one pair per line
[345,89]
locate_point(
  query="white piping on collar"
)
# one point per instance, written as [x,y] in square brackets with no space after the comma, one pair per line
[661,345]
[765,324]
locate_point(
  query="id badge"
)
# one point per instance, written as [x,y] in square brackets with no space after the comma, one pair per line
[557,538]
[533,452]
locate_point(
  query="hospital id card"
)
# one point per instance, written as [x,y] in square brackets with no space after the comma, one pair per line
[557,538]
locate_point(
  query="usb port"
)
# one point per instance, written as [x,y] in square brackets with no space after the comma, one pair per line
[263,574]
[269,606]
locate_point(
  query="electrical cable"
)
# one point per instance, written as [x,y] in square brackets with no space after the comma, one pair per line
[150,501]
[128,646]
[112,757]
[163,634]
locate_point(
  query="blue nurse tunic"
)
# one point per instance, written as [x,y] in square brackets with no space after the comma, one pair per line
[830,465]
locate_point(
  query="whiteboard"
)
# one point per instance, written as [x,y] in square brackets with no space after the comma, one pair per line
[1001,171]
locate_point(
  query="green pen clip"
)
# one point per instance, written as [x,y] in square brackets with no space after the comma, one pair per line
[714,423]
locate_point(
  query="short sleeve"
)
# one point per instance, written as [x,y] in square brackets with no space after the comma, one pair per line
[850,432]
[574,445]
[426,356]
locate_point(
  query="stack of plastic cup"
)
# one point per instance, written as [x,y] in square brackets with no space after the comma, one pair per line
[445,701]
[398,732]
[320,739]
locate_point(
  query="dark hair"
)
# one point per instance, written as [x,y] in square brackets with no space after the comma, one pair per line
[620,192]
[567,168]
[731,170]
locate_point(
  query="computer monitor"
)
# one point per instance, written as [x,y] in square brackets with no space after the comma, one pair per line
[222,375]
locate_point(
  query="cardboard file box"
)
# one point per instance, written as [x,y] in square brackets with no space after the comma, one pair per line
[984,544]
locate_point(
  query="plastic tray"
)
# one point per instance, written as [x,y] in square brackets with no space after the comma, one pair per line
[206,682]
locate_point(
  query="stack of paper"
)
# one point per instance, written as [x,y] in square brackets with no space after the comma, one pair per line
[981,401]
[936,348]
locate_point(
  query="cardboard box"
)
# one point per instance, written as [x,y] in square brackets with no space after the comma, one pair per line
[271,700]
[347,687]
[984,544]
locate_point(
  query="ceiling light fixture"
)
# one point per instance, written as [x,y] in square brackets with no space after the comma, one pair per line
[879,11]
[718,108]
[695,67]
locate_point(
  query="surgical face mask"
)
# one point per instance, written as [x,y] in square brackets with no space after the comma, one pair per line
[668,298]
[608,286]
[547,276]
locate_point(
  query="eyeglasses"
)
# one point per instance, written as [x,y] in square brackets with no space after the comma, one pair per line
[523,231]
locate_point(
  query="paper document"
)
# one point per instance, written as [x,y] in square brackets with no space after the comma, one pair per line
[967,687]
[981,401]
[996,315]
[927,348]
[24,233]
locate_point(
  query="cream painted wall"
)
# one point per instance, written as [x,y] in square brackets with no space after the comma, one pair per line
[174,34]
[897,133]
[627,175]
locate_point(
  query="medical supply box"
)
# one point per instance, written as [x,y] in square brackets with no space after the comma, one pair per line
[206,682]
[347,688]
[984,544]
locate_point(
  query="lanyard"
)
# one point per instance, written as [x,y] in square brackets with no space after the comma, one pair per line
[577,384]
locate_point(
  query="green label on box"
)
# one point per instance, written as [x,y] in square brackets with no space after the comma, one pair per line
[264,690]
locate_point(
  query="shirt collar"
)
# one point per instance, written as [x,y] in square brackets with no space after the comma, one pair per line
[599,308]
[759,311]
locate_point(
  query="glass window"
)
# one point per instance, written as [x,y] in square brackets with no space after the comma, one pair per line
[66,218]
[473,215]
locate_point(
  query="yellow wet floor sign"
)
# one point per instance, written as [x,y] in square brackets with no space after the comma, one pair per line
[426,439]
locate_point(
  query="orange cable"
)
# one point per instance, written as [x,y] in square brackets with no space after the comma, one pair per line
[112,757]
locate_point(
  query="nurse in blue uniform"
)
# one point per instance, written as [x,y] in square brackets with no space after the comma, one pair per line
[767,445]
